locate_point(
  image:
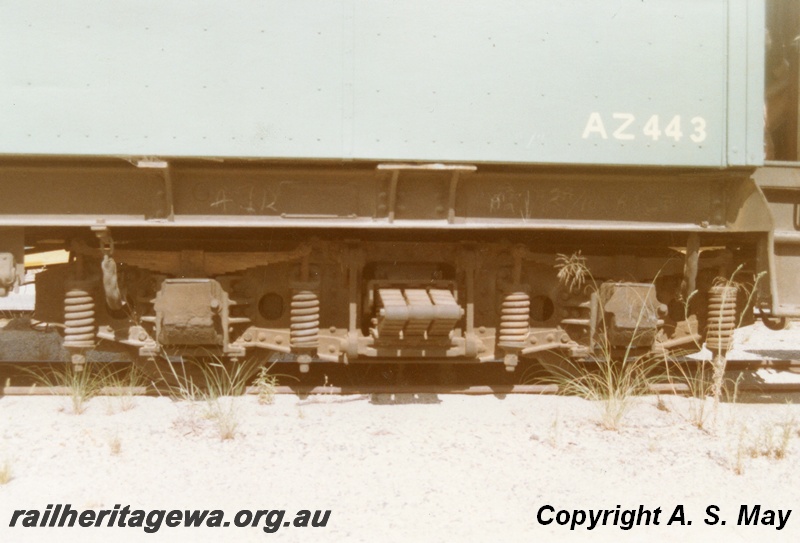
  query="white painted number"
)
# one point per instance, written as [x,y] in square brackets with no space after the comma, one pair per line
[625,128]
[699,124]
[651,128]
[673,129]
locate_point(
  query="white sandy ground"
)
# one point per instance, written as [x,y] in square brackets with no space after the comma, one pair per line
[456,469]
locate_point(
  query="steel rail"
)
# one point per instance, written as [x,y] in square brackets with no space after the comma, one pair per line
[475,390]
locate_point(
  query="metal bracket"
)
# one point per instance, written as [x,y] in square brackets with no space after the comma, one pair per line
[167,210]
[104,237]
[455,169]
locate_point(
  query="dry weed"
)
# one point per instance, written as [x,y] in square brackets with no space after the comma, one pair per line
[554,431]
[217,385]
[265,384]
[188,423]
[115,445]
[614,386]
[572,271]
[81,386]
[771,441]
[223,413]
[6,473]
[123,385]
[623,373]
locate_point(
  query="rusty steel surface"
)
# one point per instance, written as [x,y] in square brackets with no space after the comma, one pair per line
[252,229]
[365,195]
[454,299]
[781,187]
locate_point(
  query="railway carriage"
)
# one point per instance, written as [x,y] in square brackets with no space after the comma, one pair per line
[357,181]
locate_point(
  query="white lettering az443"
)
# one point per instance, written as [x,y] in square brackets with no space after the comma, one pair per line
[624,126]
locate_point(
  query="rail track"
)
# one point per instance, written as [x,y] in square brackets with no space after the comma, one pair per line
[479,390]
[19,380]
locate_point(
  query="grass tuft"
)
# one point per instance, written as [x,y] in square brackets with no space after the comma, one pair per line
[573,272]
[772,441]
[216,384]
[613,386]
[699,385]
[124,383]
[223,413]
[80,386]
[266,384]
[622,372]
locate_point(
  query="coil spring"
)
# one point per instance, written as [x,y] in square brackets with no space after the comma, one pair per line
[721,317]
[304,326]
[514,315]
[79,319]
